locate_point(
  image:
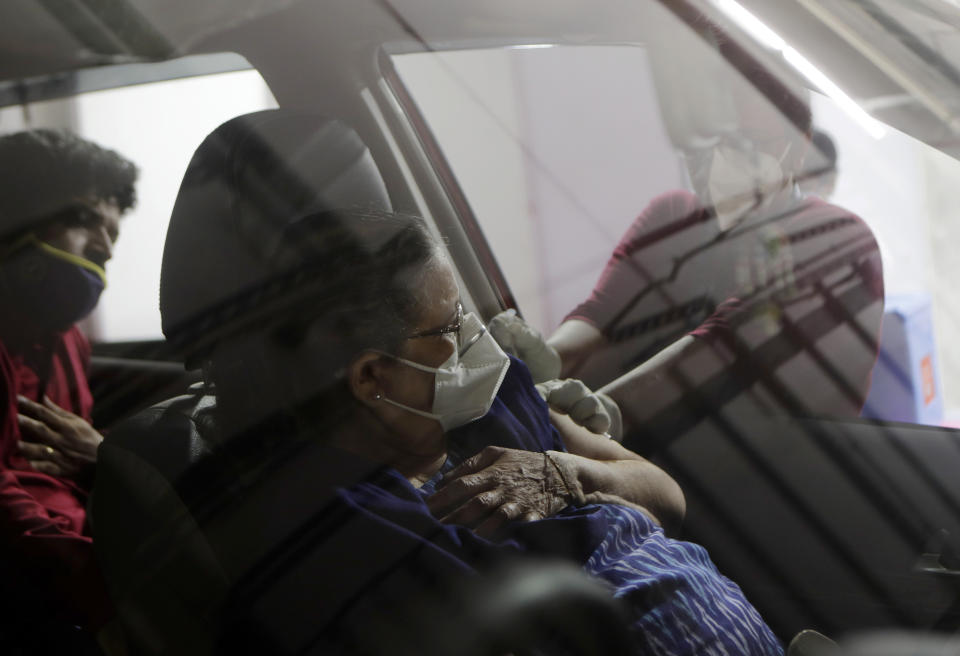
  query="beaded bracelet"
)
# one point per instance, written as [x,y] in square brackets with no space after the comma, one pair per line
[572,497]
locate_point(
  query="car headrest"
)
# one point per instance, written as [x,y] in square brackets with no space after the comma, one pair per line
[251,178]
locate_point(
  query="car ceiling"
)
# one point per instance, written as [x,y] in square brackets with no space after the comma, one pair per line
[900,61]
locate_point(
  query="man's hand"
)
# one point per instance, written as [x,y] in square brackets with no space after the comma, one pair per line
[518,338]
[56,441]
[499,485]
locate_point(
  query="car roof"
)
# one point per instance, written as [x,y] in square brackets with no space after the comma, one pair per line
[896,59]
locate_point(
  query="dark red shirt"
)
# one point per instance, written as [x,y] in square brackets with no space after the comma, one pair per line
[46,549]
[798,271]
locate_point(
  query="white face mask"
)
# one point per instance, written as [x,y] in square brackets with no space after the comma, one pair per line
[742,182]
[467,382]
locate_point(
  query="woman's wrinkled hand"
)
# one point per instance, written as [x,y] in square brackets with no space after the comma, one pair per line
[500,485]
[56,441]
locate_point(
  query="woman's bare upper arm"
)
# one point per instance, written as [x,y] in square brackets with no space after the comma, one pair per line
[582,442]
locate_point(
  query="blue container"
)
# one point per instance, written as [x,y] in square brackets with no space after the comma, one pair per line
[906,379]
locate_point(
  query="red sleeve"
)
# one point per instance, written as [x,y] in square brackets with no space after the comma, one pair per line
[47,564]
[868,266]
[854,316]
[718,324]
[871,270]
[625,273]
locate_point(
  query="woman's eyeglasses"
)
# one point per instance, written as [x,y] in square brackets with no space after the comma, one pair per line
[452,327]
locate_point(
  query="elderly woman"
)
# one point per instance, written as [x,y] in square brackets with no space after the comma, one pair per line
[384,367]
[372,440]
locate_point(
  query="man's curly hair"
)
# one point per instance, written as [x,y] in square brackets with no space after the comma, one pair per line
[43,171]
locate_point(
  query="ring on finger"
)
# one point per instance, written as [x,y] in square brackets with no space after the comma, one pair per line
[48,450]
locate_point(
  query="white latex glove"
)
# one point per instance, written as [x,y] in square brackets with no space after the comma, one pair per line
[517,338]
[595,411]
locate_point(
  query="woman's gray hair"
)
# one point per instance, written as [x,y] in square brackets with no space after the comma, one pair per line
[362,272]
[342,282]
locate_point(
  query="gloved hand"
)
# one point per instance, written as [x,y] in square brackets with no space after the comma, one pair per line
[595,411]
[517,338]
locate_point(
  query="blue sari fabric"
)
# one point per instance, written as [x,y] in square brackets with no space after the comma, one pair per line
[680,603]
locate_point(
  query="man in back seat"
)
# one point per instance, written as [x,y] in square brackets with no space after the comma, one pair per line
[60,206]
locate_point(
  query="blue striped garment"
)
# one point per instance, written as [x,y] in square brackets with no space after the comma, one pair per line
[680,602]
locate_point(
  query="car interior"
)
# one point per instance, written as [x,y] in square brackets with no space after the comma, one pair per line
[819,470]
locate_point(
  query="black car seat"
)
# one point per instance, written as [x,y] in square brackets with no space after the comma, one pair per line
[166,580]
[249,174]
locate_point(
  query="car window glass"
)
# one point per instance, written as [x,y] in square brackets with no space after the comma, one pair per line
[733,222]
[559,149]
[158,126]
[538,188]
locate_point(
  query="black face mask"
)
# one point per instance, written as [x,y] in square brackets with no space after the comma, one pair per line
[53,287]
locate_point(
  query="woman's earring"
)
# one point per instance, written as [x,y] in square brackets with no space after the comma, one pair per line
[378,396]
